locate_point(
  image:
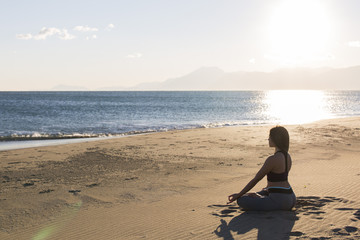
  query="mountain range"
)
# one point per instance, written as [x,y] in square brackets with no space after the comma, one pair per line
[213,78]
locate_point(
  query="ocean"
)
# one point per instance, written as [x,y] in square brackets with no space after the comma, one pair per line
[67,115]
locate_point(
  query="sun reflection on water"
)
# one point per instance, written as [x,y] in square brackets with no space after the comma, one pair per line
[296,106]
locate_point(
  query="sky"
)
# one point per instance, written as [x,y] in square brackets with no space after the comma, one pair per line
[122,43]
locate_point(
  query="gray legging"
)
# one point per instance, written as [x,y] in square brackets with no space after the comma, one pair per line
[273,201]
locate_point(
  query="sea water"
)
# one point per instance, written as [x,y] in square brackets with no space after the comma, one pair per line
[59,115]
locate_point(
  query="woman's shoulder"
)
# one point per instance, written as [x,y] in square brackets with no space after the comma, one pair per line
[280,155]
[271,158]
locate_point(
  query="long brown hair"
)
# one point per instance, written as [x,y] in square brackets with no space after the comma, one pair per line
[280,137]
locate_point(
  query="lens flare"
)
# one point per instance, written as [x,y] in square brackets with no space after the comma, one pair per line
[65,217]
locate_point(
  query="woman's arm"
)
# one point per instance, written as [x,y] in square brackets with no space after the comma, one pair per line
[260,174]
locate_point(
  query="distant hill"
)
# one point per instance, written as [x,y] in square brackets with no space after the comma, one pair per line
[68,88]
[213,78]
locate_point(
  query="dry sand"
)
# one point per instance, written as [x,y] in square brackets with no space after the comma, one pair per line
[174,185]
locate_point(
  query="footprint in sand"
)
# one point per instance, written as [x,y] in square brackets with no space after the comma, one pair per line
[356,214]
[75,192]
[131,178]
[312,205]
[6,179]
[296,234]
[46,191]
[92,185]
[28,184]
[346,231]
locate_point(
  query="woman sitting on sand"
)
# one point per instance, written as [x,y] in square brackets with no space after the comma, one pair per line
[278,194]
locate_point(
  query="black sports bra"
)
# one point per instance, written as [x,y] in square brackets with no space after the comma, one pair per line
[279,177]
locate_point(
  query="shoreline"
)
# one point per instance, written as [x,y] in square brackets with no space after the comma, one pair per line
[174,185]
[31,142]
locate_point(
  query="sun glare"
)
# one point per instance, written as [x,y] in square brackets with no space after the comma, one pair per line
[299,32]
[296,106]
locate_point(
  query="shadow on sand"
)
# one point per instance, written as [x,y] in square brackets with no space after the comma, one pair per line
[277,224]
[269,225]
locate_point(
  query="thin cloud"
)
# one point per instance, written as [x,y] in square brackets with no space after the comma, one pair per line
[65,35]
[92,37]
[85,29]
[110,27]
[135,55]
[47,32]
[24,36]
[354,44]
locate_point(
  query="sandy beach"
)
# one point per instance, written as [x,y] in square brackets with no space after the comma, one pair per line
[174,185]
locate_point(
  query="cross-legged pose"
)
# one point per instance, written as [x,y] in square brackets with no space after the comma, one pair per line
[278,195]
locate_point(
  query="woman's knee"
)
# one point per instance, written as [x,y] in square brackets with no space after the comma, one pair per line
[245,202]
[285,202]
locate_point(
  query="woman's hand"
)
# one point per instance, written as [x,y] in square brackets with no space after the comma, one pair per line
[233,197]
